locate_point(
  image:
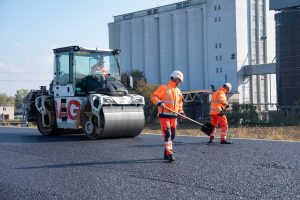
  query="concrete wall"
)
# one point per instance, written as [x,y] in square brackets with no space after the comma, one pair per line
[151,49]
[166,45]
[196,44]
[221,43]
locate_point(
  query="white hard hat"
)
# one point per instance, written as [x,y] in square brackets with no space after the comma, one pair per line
[228,85]
[177,74]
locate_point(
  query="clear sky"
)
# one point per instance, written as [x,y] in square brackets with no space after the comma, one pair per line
[30,29]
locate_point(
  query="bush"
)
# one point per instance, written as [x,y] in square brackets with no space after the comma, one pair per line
[285,117]
[246,115]
[141,87]
[243,114]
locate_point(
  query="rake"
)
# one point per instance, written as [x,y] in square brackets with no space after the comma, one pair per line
[206,128]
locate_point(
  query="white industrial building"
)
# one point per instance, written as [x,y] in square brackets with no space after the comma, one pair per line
[210,41]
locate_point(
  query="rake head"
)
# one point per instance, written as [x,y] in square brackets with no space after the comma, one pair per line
[207,128]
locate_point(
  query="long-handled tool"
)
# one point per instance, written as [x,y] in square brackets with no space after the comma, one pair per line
[206,128]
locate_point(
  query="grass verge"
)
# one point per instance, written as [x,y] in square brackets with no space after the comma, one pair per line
[289,133]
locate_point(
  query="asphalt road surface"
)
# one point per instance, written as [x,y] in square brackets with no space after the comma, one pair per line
[71,167]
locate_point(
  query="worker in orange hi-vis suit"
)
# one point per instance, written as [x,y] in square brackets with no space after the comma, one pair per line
[218,108]
[169,96]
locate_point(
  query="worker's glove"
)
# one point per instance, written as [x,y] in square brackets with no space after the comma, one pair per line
[222,112]
[161,104]
[182,117]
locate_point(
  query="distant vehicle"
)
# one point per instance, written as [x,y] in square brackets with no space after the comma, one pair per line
[85,97]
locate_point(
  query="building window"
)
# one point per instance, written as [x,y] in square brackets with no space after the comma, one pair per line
[218,45]
[126,17]
[4,108]
[219,7]
[221,70]
[217,19]
[153,11]
[218,58]
[186,4]
[182,5]
[226,78]
[217,70]
[215,7]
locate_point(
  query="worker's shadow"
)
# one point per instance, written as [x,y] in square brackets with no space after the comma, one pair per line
[175,143]
[97,164]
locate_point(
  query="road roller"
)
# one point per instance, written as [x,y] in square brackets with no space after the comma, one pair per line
[86,96]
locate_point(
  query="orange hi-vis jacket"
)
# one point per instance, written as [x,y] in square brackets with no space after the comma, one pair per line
[218,101]
[170,95]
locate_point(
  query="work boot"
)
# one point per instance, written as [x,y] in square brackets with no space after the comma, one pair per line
[165,155]
[210,139]
[225,142]
[171,158]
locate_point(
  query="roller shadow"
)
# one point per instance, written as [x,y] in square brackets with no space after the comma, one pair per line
[23,138]
[87,164]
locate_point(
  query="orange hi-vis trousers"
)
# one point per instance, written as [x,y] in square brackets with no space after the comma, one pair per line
[222,120]
[168,128]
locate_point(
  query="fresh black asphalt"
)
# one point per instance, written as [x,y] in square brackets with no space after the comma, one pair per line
[71,167]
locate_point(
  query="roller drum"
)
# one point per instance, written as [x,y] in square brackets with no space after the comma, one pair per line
[122,121]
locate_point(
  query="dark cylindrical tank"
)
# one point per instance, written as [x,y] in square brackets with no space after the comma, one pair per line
[288,56]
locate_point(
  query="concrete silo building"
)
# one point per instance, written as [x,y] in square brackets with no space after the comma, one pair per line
[287,51]
[210,41]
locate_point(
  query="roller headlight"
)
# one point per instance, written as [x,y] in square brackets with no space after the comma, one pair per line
[138,101]
[108,100]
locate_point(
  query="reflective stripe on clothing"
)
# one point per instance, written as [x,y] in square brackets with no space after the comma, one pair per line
[215,110]
[168,101]
[168,128]
[170,95]
[214,132]
[222,120]
[223,136]
[218,101]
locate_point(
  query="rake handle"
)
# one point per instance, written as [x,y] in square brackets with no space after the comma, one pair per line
[181,115]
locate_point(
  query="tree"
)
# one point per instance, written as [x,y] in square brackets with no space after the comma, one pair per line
[20,94]
[6,100]
[137,76]
[141,87]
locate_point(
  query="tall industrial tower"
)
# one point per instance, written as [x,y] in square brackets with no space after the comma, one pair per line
[210,41]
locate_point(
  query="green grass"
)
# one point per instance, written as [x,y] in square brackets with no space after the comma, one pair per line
[290,133]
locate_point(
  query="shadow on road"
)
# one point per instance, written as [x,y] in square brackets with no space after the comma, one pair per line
[86,164]
[195,144]
[17,138]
